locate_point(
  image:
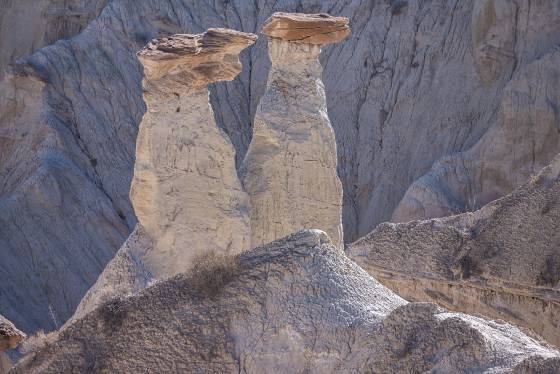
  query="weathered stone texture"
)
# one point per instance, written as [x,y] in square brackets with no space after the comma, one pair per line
[502,260]
[290,168]
[10,337]
[185,190]
[416,81]
[296,305]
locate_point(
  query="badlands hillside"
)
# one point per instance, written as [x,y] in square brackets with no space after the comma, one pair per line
[159,160]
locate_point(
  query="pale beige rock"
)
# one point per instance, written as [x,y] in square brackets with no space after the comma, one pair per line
[10,337]
[297,305]
[185,190]
[290,170]
[307,28]
[502,260]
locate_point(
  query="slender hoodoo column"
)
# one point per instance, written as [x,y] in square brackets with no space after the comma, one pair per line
[290,170]
[185,190]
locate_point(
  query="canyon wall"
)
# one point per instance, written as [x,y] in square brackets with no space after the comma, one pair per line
[502,261]
[415,83]
[185,190]
[27,25]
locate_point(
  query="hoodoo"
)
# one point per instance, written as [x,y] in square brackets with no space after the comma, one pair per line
[290,170]
[185,190]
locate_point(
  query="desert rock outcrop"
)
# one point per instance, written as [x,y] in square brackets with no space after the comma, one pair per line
[502,260]
[185,190]
[290,170]
[10,337]
[416,81]
[524,139]
[296,305]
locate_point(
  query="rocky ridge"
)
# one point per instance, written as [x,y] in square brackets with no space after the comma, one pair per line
[502,261]
[297,304]
[290,169]
[10,337]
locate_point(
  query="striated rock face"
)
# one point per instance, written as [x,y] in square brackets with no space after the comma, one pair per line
[27,25]
[296,305]
[48,204]
[317,29]
[10,337]
[185,190]
[415,82]
[126,274]
[502,260]
[290,170]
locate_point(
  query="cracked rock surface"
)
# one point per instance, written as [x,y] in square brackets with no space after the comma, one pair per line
[414,83]
[295,305]
[10,337]
[502,260]
[185,190]
[290,169]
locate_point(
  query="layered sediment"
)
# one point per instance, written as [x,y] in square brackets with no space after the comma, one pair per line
[290,170]
[10,337]
[502,261]
[295,305]
[185,190]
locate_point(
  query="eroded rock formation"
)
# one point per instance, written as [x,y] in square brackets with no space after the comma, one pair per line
[27,25]
[10,337]
[290,169]
[525,137]
[185,190]
[296,305]
[415,81]
[45,195]
[502,260]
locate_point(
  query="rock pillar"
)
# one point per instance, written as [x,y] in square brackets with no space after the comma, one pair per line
[290,170]
[185,190]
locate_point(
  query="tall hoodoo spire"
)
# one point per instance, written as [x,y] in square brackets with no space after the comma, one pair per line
[185,190]
[290,170]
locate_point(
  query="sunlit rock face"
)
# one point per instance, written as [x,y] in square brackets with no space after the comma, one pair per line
[10,337]
[525,133]
[185,190]
[502,261]
[290,170]
[295,305]
[415,82]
